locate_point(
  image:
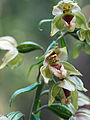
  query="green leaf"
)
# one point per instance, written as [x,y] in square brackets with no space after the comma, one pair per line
[87,49]
[44,21]
[61,110]
[80,20]
[78,83]
[33,65]
[28,47]
[74,98]
[23,90]
[71,70]
[35,117]
[83,99]
[15,116]
[78,46]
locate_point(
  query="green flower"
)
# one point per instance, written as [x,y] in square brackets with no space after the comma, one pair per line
[51,66]
[68,16]
[12,57]
[65,6]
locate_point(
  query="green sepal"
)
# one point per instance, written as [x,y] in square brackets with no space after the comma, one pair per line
[77,82]
[71,70]
[23,90]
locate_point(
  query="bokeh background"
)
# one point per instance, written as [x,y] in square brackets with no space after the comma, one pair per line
[19,19]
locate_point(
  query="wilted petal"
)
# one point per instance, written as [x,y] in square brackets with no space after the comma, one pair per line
[83,99]
[10,55]
[46,74]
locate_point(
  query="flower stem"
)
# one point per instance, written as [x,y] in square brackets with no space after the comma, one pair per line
[36,99]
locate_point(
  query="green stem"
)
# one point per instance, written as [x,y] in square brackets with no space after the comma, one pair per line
[36,99]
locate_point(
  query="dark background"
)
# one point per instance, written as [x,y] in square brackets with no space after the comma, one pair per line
[19,19]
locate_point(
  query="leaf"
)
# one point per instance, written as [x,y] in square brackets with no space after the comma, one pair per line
[78,83]
[71,70]
[61,110]
[33,65]
[80,20]
[78,46]
[23,90]
[83,99]
[43,21]
[28,47]
[15,116]
[74,99]
[35,117]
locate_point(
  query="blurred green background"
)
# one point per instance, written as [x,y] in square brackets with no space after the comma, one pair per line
[19,19]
